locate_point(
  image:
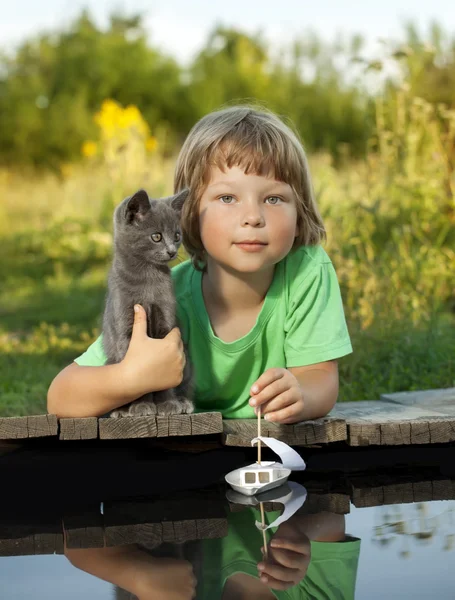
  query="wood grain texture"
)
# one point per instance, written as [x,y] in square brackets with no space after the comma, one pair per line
[240,432]
[84,528]
[439,400]
[18,539]
[158,427]
[78,429]
[367,492]
[376,422]
[15,428]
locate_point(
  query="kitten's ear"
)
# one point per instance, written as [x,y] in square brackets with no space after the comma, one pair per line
[178,200]
[137,207]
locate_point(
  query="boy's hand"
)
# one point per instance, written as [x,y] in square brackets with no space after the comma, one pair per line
[280,396]
[152,364]
[287,562]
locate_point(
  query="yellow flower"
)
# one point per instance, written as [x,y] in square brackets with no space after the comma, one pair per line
[151,143]
[89,148]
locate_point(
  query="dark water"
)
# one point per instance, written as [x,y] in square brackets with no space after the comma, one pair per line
[375,535]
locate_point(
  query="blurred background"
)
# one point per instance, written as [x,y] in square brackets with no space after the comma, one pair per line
[96,99]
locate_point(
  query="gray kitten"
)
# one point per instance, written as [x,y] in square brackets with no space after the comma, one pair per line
[147,236]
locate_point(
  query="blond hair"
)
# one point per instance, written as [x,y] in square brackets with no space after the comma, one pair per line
[258,141]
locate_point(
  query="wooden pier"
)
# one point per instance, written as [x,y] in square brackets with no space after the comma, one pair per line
[400,419]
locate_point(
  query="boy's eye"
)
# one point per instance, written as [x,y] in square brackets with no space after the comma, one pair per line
[228,197]
[177,237]
[273,199]
[156,237]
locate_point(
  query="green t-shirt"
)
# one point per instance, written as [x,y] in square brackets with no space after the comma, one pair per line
[301,322]
[331,574]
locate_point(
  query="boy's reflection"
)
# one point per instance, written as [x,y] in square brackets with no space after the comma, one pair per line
[308,556]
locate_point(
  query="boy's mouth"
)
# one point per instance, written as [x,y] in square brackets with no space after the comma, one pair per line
[251,245]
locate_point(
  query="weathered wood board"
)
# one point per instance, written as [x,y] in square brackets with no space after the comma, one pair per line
[240,432]
[78,429]
[440,401]
[149,427]
[372,491]
[36,426]
[376,422]
[15,428]
[34,537]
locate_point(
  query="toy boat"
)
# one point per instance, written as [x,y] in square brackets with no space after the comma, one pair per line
[266,475]
[291,495]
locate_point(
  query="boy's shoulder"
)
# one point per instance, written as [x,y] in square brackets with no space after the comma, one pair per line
[303,261]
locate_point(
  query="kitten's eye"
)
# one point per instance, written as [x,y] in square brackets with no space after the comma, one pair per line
[228,197]
[275,199]
[156,237]
[177,237]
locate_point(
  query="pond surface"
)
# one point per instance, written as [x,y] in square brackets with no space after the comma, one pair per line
[201,542]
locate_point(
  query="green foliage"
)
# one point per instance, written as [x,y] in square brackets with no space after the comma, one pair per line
[53,85]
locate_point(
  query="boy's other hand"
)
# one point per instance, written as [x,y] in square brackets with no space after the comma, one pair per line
[287,562]
[152,364]
[279,394]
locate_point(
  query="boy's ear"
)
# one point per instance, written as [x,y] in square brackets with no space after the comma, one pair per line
[178,200]
[137,207]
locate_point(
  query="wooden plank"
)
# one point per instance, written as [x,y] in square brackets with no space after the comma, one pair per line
[147,534]
[439,400]
[211,528]
[78,429]
[378,491]
[21,539]
[240,432]
[127,427]
[84,528]
[14,428]
[376,422]
[158,427]
[179,425]
[206,423]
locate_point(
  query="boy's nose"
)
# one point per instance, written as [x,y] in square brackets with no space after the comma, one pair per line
[254,219]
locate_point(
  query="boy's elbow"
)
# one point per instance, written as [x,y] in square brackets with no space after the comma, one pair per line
[52,396]
[56,392]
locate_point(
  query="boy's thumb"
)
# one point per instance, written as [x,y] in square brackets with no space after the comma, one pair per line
[140,321]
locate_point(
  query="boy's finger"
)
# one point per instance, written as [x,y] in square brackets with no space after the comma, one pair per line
[266,379]
[174,333]
[279,402]
[285,415]
[279,572]
[140,321]
[288,558]
[276,584]
[286,544]
[270,392]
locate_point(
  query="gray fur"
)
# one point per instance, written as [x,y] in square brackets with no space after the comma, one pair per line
[140,275]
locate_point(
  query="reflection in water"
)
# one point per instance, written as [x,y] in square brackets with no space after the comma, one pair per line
[414,524]
[305,553]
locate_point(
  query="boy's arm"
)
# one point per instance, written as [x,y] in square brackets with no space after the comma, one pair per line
[319,384]
[87,391]
[149,365]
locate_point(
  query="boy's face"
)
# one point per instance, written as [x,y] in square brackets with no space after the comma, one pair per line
[236,208]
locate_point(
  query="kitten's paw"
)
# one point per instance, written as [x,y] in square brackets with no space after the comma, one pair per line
[174,406]
[119,412]
[187,405]
[142,409]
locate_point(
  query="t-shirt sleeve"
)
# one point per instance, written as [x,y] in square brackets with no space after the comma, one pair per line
[94,356]
[332,572]
[315,325]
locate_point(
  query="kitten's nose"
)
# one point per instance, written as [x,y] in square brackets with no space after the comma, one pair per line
[172,253]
